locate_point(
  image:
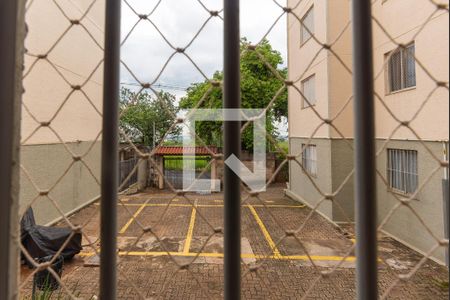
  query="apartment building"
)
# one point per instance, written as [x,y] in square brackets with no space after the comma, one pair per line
[407,87]
[61,106]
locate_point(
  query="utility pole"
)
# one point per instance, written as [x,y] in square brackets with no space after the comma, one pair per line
[154,135]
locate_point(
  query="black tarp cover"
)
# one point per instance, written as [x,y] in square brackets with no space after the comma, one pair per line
[41,241]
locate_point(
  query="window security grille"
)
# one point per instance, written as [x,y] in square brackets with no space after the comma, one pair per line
[309,91]
[307,22]
[402,69]
[309,159]
[402,170]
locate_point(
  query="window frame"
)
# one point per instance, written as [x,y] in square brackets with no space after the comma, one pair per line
[403,69]
[406,175]
[303,41]
[310,164]
[305,103]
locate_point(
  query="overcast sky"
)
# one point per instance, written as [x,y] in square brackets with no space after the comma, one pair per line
[146,52]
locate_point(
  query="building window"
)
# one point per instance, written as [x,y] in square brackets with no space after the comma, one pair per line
[309,91]
[401,69]
[402,170]
[307,24]
[309,159]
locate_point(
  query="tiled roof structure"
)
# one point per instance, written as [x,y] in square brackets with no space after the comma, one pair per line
[180,150]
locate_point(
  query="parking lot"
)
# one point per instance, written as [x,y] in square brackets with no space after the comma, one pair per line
[171,247]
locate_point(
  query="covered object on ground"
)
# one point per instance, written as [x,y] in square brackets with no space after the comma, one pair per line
[41,241]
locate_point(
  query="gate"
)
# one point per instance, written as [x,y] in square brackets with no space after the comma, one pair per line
[173,169]
[126,169]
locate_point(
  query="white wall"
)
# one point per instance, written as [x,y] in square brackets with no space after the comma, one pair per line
[74,58]
[404,21]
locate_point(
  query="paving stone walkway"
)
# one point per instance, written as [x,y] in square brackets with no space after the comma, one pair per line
[179,255]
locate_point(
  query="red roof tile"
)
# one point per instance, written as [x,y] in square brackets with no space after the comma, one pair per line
[180,150]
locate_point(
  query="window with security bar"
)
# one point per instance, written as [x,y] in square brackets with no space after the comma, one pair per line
[307,26]
[402,69]
[309,159]
[309,91]
[402,170]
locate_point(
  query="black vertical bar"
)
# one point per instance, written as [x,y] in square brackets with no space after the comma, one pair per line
[446,200]
[232,145]
[447,224]
[365,176]
[110,154]
[10,75]
[445,195]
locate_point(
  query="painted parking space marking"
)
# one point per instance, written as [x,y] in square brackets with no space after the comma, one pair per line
[265,232]
[221,255]
[187,244]
[210,205]
[275,255]
[131,220]
[144,205]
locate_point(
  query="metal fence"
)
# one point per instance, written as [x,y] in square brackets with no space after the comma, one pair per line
[173,170]
[126,175]
[236,195]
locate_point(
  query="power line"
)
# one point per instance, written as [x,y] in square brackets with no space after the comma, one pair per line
[158,86]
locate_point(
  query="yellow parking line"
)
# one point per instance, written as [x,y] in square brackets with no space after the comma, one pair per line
[266,233]
[187,243]
[130,221]
[319,258]
[221,255]
[280,206]
[161,205]
[211,205]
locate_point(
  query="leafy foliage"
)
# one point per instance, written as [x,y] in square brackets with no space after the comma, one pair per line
[141,114]
[258,87]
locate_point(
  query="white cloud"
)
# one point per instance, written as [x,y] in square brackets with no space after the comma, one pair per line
[146,52]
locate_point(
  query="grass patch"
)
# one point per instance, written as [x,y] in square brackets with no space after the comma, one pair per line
[175,163]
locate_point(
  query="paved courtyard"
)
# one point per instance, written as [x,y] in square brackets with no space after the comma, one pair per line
[171,247]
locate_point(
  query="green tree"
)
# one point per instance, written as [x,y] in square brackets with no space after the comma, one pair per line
[259,85]
[145,118]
